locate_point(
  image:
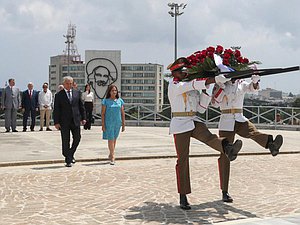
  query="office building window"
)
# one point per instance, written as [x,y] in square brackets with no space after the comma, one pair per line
[149,75]
[137,74]
[127,75]
[132,68]
[149,81]
[137,94]
[149,88]
[126,94]
[149,68]
[149,94]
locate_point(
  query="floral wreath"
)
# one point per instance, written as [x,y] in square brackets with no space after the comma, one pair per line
[203,63]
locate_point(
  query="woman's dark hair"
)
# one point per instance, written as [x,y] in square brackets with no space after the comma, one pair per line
[86,87]
[110,87]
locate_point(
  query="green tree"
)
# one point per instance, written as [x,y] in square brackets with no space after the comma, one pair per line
[296,103]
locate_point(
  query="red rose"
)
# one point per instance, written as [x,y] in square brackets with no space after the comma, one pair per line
[210,54]
[226,62]
[211,49]
[228,51]
[219,49]
[204,53]
[240,59]
[226,56]
[245,60]
[237,53]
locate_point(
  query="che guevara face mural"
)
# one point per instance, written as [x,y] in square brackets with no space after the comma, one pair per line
[101,73]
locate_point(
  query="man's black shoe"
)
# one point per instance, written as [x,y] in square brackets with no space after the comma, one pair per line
[24,130]
[48,129]
[14,131]
[275,145]
[226,197]
[184,204]
[68,164]
[7,131]
[32,129]
[232,150]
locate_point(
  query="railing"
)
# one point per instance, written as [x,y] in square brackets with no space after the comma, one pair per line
[262,116]
[147,115]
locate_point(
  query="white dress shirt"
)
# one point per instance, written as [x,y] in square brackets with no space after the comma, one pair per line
[184,97]
[45,98]
[234,94]
[87,97]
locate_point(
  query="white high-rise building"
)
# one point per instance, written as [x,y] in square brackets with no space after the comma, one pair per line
[143,83]
[60,67]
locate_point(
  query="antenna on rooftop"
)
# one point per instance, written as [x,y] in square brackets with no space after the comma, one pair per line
[71,51]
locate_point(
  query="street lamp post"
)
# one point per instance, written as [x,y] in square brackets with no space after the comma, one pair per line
[174,12]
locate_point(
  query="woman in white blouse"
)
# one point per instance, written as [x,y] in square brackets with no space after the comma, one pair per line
[88,99]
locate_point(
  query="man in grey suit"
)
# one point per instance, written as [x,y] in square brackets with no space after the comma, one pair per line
[11,103]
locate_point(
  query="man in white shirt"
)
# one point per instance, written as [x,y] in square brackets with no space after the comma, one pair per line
[185,124]
[45,103]
[229,96]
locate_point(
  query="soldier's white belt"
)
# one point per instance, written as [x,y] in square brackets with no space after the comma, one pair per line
[231,111]
[183,114]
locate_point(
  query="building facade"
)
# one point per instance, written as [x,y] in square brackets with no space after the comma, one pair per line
[60,67]
[270,93]
[143,84]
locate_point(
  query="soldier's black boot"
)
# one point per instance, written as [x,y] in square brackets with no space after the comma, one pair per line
[232,150]
[226,197]
[184,204]
[274,145]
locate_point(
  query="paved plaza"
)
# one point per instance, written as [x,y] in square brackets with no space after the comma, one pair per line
[135,142]
[141,187]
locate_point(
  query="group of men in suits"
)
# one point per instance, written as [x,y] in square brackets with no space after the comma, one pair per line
[30,102]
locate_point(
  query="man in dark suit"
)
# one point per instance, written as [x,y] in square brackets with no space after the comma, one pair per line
[68,114]
[29,106]
[11,103]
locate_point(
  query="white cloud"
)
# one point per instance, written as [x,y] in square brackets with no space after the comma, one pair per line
[42,15]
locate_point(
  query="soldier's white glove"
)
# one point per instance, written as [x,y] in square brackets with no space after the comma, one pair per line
[255,79]
[221,79]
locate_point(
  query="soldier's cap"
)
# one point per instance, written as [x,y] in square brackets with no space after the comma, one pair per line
[178,64]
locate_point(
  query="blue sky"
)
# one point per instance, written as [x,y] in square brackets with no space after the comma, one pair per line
[32,30]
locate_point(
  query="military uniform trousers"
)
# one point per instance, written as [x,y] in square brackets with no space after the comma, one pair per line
[182,144]
[245,130]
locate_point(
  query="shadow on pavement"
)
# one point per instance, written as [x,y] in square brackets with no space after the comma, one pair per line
[48,168]
[205,213]
[96,164]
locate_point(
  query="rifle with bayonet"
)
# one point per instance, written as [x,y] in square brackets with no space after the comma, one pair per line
[242,74]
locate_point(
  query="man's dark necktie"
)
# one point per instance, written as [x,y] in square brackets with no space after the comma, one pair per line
[69,96]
